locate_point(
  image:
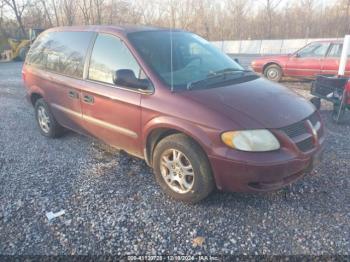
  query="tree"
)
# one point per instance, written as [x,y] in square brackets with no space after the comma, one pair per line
[47,14]
[213,19]
[98,7]
[237,11]
[85,6]
[69,11]
[17,7]
[270,8]
[54,7]
[347,15]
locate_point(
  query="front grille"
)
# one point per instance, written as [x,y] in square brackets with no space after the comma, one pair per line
[295,130]
[306,145]
[314,119]
[298,129]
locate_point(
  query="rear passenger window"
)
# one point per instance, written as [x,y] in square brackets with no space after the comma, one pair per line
[61,52]
[336,50]
[36,55]
[109,55]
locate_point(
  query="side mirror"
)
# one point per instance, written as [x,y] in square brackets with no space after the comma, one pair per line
[126,77]
[237,61]
[297,55]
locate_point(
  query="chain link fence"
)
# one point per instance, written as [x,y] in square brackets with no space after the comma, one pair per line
[264,47]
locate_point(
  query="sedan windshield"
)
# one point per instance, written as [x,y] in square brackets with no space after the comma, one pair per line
[193,59]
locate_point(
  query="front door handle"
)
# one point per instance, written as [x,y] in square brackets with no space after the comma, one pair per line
[73,94]
[88,99]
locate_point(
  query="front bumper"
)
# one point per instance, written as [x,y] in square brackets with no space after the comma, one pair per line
[257,68]
[257,173]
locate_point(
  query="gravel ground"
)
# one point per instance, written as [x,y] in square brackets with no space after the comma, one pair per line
[113,205]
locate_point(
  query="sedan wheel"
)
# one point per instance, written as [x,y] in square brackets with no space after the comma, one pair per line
[273,73]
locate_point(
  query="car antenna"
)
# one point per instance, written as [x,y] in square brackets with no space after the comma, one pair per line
[171,59]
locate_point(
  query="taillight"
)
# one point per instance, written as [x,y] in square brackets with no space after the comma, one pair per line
[347,89]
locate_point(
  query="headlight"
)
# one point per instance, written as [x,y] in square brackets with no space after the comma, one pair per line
[260,140]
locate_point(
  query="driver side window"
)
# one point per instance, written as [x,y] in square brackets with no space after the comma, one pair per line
[314,50]
[109,55]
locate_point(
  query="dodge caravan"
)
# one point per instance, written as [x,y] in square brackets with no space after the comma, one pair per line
[198,118]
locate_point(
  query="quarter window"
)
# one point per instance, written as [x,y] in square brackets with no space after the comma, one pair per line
[66,52]
[36,55]
[109,55]
[61,52]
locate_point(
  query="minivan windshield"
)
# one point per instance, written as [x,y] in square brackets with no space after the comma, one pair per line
[194,60]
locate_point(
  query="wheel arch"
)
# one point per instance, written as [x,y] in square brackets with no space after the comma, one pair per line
[153,135]
[34,97]
[35,93]
[272,63]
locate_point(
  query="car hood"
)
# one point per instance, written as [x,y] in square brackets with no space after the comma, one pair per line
[255,104]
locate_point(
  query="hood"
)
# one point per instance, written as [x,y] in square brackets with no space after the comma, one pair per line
[255,104]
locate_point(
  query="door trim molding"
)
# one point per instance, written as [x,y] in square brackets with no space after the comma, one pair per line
[67,110]
[107,125]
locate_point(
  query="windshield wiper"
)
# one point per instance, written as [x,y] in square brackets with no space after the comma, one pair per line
[228,70]
[192,83]
[217,74]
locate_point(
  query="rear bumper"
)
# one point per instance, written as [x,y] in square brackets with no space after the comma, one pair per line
[260,175]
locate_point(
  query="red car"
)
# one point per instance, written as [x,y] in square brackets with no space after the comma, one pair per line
[198,118]
[316,58]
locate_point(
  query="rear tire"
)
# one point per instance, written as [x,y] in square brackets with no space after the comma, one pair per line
[273,73]
[174,158]
[47,123]
[316,102]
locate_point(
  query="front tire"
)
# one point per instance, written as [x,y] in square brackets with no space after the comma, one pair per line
[47,123]
[182,169]
[273,73]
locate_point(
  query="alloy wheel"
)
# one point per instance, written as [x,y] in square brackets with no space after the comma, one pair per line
[43,119]
[177,171]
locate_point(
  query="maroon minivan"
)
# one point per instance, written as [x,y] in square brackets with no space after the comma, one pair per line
[197,117]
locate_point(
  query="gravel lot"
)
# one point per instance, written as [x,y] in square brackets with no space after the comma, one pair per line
[113,205]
